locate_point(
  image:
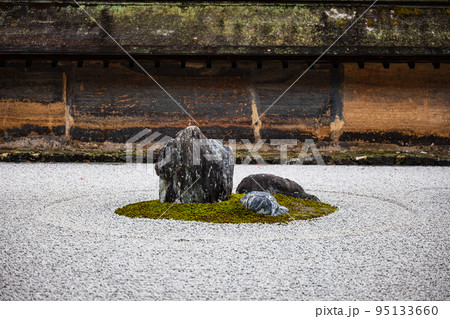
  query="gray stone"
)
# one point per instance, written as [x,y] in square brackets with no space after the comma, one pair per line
[273,184]
[194,169]
[262,203]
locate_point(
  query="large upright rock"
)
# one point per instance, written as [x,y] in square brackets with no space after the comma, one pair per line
[194,169]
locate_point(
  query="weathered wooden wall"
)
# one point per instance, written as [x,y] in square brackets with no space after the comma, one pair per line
[397,105]
[79,100]
[114,103]
[96,104]
[31,103]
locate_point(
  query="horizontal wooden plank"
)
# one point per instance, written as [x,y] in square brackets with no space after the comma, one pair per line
[154,28]
[261,2]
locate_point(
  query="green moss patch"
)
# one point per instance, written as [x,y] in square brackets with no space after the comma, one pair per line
[230,211]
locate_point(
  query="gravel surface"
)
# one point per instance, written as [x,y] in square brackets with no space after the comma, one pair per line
[60,238]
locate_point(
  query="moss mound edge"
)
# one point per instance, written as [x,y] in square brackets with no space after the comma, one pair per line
[230,211]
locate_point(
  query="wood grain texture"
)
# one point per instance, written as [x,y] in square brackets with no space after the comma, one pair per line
[210,28]
[402,100]
[31,103]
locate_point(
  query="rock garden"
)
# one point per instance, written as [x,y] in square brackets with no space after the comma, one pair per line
[196,182]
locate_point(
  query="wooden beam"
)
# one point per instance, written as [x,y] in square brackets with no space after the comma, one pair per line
[298,28]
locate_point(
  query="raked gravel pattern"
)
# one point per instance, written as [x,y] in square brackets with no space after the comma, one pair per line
[60,238]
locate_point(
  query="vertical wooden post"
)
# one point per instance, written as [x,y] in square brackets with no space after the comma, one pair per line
[68,85]
[337,102]
[254,104]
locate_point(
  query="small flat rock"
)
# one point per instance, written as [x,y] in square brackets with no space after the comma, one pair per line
[262,203]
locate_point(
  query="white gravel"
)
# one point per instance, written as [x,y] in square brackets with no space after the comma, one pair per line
[60,238]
